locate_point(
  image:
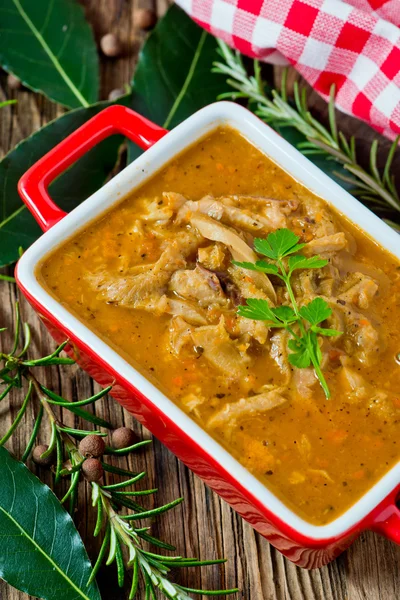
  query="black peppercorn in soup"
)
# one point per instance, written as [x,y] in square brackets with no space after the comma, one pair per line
[160,278]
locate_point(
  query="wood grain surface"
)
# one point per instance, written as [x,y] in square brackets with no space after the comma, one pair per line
[204,525]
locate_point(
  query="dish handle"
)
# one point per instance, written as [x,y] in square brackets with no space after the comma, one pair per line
[386,520]
[33,185]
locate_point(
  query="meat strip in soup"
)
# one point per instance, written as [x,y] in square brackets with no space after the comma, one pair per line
[158,278]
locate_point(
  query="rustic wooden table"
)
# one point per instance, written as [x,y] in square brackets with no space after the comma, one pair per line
[204,525]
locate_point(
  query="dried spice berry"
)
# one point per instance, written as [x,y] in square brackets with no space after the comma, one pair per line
[123,437]
[92,469]
[144,18]
[110,45]
[13,82]
[46,461]
[92,446]
[115,94]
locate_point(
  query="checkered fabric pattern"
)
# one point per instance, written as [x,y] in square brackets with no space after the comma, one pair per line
[353,43]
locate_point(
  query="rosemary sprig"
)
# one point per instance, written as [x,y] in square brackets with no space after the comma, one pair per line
[7,278]
[373,187]
[121,531]
[7,103]
[154,568]
[303,323]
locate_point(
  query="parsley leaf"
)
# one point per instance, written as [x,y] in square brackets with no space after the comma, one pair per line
[315,346]
[298,261]
[260,265]
[326,332]
[278,244]
[300,356]
[285,314]
[259,310]
[315,311]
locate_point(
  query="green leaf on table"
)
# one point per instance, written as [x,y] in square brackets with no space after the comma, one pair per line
[17,226]
[173,77]
[50,47]
[316,311]
[34,525]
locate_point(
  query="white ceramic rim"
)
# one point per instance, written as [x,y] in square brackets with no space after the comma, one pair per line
[285,155]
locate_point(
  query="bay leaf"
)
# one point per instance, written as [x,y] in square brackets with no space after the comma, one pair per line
[50,47]
[42,553]
[17,226]
[173,77]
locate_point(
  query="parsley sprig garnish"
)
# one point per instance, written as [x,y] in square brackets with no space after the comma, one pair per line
[303,323]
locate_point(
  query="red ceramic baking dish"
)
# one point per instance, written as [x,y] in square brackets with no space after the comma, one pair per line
[305,544]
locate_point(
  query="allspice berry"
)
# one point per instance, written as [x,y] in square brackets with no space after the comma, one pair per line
[47,461]
[123,437]
[144,18]
[13,82]
[92,469]
[115,94]
[92,446]
[110,45]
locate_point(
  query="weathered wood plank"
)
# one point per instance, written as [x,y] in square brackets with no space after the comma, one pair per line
[203,525]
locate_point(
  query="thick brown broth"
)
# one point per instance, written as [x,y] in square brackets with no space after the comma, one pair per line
[318,456]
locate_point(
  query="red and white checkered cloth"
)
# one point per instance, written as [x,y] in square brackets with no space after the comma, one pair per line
[353,43]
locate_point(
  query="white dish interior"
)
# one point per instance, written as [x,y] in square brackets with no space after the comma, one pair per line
[269,142]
